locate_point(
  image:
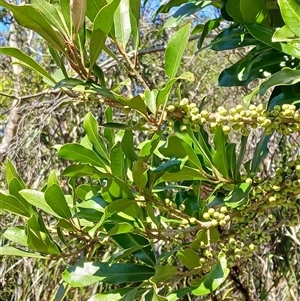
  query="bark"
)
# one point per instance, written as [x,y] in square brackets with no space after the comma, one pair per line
[12,124]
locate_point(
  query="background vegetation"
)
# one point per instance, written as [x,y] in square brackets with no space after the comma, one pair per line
[249,254]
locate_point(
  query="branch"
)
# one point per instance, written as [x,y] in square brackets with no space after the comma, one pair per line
[111,61]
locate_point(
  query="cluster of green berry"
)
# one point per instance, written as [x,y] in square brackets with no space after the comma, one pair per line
[284,119]
[218,216]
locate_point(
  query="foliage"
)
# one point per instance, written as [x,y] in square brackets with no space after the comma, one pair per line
[182,209]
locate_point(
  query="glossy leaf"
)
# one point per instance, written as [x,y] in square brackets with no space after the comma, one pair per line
[179,149]
[139,173]
[234,10]
[51,13]
[189,258]
[117,161]
[52,178]
[93,8]
[185,174]
[57,202]
[81,170]
[163,273]
[220,158]
[283,34]
[37,199]
[90,126]
[16,235]
[27,61]
[122,23]
[175,49]
[213,279]
[265,34]
[284,77]
[11,251]
[254,11]
[184,11]
[231,38]
[163,94]
[130,240]
[290,11]
[120,228]
[128,146]
[238,197]
[208,26]
[101,27]
[84,274]
[40,240]
[114,295]
[12,204]
[29,17]
[11,172]
[78,153]
[150,98]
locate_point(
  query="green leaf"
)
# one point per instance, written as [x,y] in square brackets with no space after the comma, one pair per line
[117,161]
[14,186]
[208,26]
[163,95]
[172,165]
[175,50]
[150,98]
[27,16]
[178,148]
[114,295]
[128,146]
[189,258]
[116,189]
[109,133]
[40,240]
[57,202]
[90,126]
[84,274]
[239,196]
[231,38]
[185,174]
[120,228]
[254,11]
[122,24]
[12,204]
[52,15]
[253,66]
[82,170]
[184,11]
[27,61]
[163,273]
[11,251]
[148,147]
[212,280]
[101,27]
[290,12]
[93,8]
[178,294]
[37,199]
[130,240]
[231,159]
[139,174]
[261,151]
[52,178]
[66,14]
[285,77]
[11,172]
[234,10]
[283,34]
[220,158]
[265,34]
[78,153]
[16,235]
